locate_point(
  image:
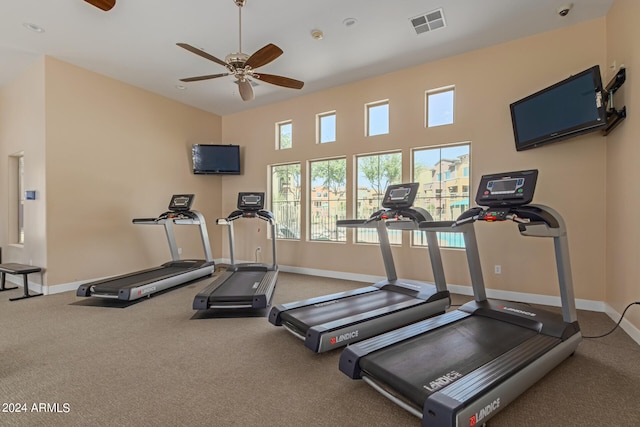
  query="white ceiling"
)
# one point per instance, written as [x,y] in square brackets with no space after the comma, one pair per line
[135,42]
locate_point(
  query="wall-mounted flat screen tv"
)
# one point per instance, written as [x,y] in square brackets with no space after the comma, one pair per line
[569,108]
[210,159]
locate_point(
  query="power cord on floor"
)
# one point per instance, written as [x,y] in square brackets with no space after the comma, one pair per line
[617,324]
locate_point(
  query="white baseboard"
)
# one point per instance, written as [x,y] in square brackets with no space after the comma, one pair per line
[581,304]
[626,326]
[368,278]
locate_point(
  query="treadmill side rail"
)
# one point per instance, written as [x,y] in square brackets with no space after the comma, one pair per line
[264,292]
[331,335]
[144,290]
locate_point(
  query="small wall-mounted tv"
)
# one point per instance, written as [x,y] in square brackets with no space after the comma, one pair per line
[211,159]
[569,108]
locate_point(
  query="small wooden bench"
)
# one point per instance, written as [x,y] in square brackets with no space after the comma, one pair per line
[13,268]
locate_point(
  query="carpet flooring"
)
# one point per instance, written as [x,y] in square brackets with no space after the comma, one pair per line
[71,361]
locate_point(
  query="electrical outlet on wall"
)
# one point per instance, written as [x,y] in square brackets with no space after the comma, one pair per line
[497,269]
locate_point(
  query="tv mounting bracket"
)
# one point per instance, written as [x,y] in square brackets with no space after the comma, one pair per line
[614,117]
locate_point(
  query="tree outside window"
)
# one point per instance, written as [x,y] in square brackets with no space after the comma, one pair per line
[375,173]
[285,199]
[285,135]
[328,199]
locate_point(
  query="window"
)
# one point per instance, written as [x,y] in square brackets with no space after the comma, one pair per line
[375,173]
[443,174]
[326,127]
[285,199]
[284,134]
[328,188]
[16,198]
[440,107]
[377,118]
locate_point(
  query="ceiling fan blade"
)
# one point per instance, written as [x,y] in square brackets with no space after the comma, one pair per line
[105,5]
[202,53]
[279,80]
[246,91]
[207,77]
[263,56]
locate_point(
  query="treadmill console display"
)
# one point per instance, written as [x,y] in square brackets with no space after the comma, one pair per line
[181,202]
[507,189]
[400,195]
[250,201]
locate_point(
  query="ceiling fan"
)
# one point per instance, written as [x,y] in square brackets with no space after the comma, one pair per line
[242,66]
[105,5]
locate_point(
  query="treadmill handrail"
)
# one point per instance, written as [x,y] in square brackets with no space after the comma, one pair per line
[406,218]
[544,222]
[470,245]
[355,223]
[191,270]
[262,214]
[191,217]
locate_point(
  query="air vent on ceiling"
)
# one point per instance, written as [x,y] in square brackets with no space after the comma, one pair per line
[428,22]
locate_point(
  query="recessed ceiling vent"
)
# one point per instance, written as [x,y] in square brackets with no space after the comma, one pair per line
[428,22]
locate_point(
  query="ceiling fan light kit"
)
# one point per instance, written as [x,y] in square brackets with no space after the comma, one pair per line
[242,66]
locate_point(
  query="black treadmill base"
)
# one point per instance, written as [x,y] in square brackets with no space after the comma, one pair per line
[230,313]
[123,303]
[303,318]
[240,289]
[394,367]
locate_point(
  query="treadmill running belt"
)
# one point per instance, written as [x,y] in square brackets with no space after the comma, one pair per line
[132,280]
[240,286]
[317,314]
[412,367]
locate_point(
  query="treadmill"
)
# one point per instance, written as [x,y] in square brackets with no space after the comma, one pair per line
[144,283]
[246,285]
[333,321]
[463,367]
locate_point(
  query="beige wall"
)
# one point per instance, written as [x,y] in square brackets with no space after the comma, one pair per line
[623,174]
[486,82]
[113,153]
[22,130]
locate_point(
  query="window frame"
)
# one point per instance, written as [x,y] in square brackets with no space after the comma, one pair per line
[395,236]
[319,133]
[16,199]
[279,126]
[367,117]
[315,198]
[281,219]
[427,109]
[462,174]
